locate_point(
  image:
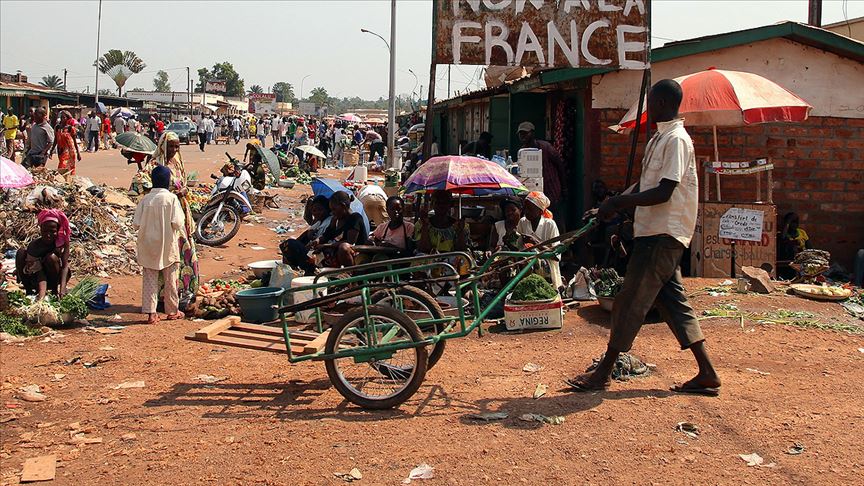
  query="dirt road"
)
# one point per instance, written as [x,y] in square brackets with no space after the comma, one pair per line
[266,422]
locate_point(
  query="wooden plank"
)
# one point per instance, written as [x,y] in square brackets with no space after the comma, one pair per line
[316,344]
[231,333]
[208,332]
[273,347]
[274,331]
[42,468]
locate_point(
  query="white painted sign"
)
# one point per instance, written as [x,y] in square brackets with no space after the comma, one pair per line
[742,224]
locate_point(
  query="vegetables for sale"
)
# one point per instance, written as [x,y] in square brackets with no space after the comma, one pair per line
[607,283]
[17,299]
[533,288]
[85,290]
[43,312]
[16,327]
[74,306]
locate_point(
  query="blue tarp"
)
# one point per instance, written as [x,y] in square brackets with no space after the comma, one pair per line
[326,187]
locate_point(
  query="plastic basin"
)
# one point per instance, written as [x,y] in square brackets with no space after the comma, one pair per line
[260,268]
[257,304]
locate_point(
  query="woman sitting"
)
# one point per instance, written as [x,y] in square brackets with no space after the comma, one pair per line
[440,233]
[346,229]
[538,226]
[44,266]
[505,234]
[395,233]
[295,250]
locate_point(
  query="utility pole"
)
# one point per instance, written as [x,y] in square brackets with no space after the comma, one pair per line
[448,80]
[96,63]
[814,13]
[65,71]
[391,109]
[189,91]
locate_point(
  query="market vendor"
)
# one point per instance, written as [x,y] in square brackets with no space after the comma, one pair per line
[538,226]
[44,266]
[505,234]
[295,250]
[346,229]
[440,233]
[395,233]
[374,201]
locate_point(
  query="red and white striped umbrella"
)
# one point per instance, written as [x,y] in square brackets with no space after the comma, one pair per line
[721,98]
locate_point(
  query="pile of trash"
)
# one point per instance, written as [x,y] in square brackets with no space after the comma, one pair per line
[103,239]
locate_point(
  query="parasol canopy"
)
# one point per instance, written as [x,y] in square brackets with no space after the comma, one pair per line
[721,98]
[136,142]
[463,175]
[271,159]
[327,187]
[13,175]
[309,149]
[350,117]
[122,111]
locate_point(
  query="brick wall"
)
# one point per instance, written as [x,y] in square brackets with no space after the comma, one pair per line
[819,171]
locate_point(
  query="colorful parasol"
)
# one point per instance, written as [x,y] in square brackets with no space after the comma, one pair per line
[723,98]
[13,175]
[350,117]
[720,98]
[463,175]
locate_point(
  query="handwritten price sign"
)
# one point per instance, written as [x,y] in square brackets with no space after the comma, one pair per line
[742,224]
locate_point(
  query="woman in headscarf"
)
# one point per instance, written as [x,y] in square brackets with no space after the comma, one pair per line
[168,154]
[44,266]
[538,226]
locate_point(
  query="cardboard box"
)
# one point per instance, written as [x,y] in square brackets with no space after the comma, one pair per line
[530,162]
[533,183]
[533,315]
[711,256]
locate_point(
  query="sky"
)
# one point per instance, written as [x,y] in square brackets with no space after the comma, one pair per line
[319,40]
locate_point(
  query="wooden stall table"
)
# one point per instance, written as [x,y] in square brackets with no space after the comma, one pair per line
[712,256]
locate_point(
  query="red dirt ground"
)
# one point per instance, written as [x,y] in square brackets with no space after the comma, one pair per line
[272,423]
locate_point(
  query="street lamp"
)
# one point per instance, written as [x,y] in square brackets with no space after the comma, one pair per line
[301,85]
[391,106]
[416,82]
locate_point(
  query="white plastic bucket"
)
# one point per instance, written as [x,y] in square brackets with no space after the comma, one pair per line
[360,174]
[306,316]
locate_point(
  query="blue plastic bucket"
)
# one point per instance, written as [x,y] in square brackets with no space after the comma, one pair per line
[257,304]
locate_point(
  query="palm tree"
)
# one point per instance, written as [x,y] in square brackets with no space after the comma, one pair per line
[53,82]
[120,65]
[257,89]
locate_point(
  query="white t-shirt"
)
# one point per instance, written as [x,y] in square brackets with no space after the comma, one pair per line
[235,124]
[275,126]
[669,155]
[546,230]
[93,124]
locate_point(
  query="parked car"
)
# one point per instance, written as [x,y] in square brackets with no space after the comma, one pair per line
[185,130]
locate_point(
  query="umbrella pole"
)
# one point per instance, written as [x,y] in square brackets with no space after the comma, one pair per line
[717,159]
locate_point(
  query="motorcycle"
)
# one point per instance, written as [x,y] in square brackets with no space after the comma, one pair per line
[221,216]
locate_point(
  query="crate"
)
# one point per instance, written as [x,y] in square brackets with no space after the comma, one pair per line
[530,161]
[525,316]
[532,183]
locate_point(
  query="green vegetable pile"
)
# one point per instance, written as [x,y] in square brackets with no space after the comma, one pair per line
[16,327]
[18,299]
[297,174]
[73,306]
[534,288]
[607,282]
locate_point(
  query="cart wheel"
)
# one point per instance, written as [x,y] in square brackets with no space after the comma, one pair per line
[380,379]
[415,299]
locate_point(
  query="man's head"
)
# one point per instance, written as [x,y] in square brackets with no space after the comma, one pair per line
[161,177]
[39,115]
[485,138]
[664,98]
[526,133]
